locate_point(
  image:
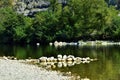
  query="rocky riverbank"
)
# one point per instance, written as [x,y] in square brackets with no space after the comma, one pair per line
[15,70]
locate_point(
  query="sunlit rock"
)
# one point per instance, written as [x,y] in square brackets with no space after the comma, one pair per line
[64,56]
[56,42]
[50,44]
[53,66]
[52,59]
[74,59]
[78,77]
[78,62]
[69,59]
[59,59]
[64,61]
[85,61]
[78,59]
[82,43]
[104,43]
[59,64]
[73,63]
[43,59]
[64,43]
[88,58]
[11,57]
[59,56]
[52,63]
[49,63]
[37,44]
[85,79]
[48,67]
[55,60]
[70,63]
[48,59]
[43,63]
[73,43]
[68,73]
[64,64]
[94,59]
[5,58]
[60,43]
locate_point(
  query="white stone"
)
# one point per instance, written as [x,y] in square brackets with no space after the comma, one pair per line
[59,56]
[37,44]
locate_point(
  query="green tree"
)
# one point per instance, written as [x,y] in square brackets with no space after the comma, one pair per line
[12,26]
[90,17]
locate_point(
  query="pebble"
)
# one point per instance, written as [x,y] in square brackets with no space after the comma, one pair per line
[15,70]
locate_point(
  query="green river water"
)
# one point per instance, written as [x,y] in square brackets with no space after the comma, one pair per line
[107,67]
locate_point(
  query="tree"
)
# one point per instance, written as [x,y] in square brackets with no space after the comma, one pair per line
[12,26]
[6,3]
[66,21]
[90,17]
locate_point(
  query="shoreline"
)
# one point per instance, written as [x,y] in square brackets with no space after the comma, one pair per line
[16,70]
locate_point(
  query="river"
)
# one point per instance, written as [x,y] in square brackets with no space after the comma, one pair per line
[107,67]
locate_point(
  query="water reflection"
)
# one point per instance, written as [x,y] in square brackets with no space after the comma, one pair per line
[61,64]
[106,68]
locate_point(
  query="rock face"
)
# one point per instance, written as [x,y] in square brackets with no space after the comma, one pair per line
[30,7]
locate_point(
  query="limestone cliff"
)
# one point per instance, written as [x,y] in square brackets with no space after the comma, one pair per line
[30,7]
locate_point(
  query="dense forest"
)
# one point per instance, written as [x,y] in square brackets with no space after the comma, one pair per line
[75,20]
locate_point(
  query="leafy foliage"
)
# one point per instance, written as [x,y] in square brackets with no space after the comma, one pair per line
[75,20]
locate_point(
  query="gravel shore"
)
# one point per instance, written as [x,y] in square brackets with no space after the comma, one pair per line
[15,70]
